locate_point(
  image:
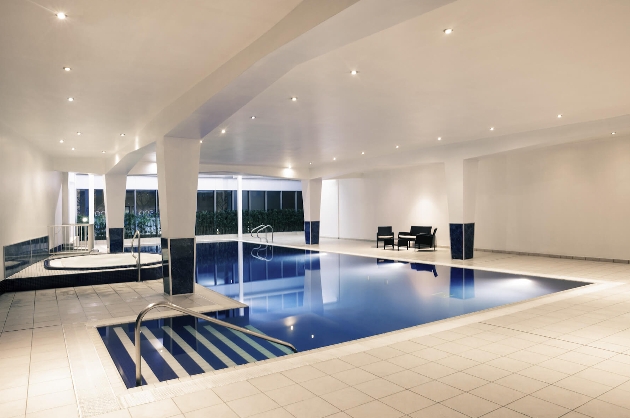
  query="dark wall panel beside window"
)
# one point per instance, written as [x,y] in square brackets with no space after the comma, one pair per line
[300,203]
[273,200]
[245,200]
[99,200]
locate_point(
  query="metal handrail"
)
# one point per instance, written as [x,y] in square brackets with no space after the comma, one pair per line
[198,315]
[260,228]
[138,265]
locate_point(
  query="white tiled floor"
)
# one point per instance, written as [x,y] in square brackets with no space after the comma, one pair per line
[564,355]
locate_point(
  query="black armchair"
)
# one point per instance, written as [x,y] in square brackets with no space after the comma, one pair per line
[384,233]
[415,231]
[426,240]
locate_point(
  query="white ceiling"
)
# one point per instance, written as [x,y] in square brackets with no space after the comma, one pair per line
[129,60]
[511,64]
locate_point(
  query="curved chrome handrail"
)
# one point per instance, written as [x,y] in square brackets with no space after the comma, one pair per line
[198,315]
[260,228]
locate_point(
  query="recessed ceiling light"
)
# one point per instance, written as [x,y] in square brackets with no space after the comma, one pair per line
[201,141]
[102,152]
[61,15]
[294,99]
[73,149]
[492,129]
[122,134]
[397,146]
[439,138]
[61,141]
[559,116]
[448,31]
[354,72]
[334,158]
[71,99]
[67,68]
[222,131]
[362,152]
[253,117]
[78,133]
[613,133]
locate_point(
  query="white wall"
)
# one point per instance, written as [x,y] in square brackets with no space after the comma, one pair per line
[30,193]
[570,199]
[400,198]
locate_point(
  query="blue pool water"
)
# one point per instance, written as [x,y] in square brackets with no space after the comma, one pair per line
[311,300]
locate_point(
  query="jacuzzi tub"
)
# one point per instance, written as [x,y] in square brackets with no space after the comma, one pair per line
[101,261]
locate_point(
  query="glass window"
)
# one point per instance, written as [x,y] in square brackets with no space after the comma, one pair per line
[245,200]
[300,202]
[273,200]
[224,200]
[256,200]
[83,204]
[130,201]
[99,201]
[145,201]
[205,201]
[288,200]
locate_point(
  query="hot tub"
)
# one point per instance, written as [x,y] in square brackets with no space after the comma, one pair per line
[101,261]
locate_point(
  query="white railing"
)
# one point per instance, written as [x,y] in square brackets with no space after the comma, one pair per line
[73,238]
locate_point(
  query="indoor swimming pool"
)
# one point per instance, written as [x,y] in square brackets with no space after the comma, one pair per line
[311,300]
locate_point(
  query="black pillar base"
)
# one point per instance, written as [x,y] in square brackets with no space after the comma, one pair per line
[116,237]
[178,265]
[462,240]
[311,232]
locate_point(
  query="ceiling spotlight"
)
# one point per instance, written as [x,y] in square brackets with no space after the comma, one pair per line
[439,138]
[222,131]
[73,149]
[61,15]
[492,129]
[397,146]
[61,141]
[310,163]
[559,116]
[67,68]
[71,99]
[448,31]
[102,152]
[354,72]
[334,158]
[362,152]
[253,117]
[201,141]
[613,133]
[78,133]
[294,99]
[122,134]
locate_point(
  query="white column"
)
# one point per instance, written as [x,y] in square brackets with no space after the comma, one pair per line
[239,205]
[312,199]
[178,177]
[115,186]
[69,199]
[461,183]
[91,198]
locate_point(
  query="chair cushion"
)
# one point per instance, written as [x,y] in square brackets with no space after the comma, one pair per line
[385,236]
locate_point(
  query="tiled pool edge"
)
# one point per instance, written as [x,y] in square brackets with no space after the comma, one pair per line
[168,389]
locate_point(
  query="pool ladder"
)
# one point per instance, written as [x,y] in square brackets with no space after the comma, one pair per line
[197,315]
[137,234]
[262,228]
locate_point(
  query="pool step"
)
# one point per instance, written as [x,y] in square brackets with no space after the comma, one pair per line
[175,351]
